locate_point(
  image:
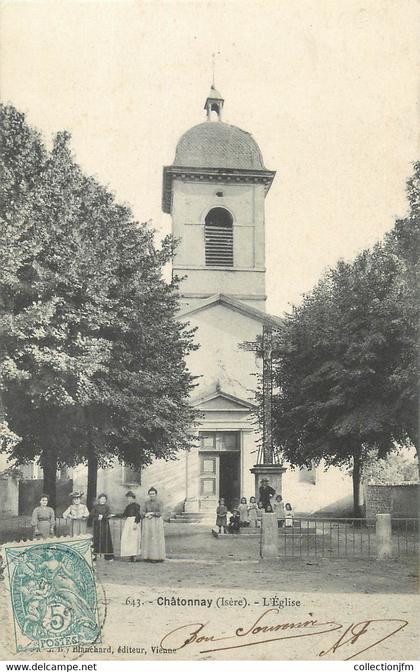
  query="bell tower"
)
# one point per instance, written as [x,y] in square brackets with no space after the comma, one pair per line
[214,103]
[215,192]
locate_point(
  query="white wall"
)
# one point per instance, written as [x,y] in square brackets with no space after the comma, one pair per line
[331,494]
[220,358]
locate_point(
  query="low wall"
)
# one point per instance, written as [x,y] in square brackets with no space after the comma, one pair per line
[400,500]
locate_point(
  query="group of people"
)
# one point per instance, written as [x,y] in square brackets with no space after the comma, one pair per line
[142,534]
[250,514]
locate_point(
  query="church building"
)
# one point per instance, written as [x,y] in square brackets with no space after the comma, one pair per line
[215,192]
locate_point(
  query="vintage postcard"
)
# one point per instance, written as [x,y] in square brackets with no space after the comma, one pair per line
[208,374]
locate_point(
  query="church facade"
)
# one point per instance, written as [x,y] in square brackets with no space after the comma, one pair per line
[215,192]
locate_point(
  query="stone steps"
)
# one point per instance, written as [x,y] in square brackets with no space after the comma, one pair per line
[244,532]
[193,517]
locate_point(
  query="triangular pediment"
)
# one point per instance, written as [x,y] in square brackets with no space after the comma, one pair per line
[221,401]
[235,305]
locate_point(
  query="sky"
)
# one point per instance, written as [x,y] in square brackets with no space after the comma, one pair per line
[328,88]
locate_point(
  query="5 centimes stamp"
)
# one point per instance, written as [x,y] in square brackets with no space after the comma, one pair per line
[52,594]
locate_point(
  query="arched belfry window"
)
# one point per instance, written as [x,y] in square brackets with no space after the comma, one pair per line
[218,233]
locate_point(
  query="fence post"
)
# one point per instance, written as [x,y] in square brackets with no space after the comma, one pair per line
[383,536]
[269,537]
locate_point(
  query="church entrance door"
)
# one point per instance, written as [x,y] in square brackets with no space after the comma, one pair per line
[230,479]
[220,469]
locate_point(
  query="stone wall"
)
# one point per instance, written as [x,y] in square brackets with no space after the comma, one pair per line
[378,500]
[400,500]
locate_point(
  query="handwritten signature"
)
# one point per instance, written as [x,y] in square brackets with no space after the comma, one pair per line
[264,627]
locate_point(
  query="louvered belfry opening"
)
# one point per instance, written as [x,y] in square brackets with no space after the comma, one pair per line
[218,233]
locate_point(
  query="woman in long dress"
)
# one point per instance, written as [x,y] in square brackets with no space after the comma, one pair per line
[102,542]
[78,514]
[153,538]
[131,534]
[43,519]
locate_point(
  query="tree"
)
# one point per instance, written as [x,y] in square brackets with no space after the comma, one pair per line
[397,468]
[93,361]
[403,242]
[344,362]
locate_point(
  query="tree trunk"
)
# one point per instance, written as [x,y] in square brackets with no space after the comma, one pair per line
[92,472]
[49,467]
[357,474]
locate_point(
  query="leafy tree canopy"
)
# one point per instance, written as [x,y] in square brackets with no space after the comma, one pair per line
[92,353]
[345,369]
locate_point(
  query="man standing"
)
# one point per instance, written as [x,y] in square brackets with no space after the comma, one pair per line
[266,492]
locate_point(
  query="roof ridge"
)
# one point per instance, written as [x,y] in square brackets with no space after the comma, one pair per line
[234,303]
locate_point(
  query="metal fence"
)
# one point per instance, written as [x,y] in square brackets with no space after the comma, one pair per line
[306,538]
[345,537]
[405,536]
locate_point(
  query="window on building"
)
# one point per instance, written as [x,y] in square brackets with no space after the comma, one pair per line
[130,476]
[218,234]
[219,441]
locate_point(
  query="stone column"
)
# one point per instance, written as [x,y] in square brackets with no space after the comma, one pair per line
[273,472]
[269,541]
[383,536]
[192,468]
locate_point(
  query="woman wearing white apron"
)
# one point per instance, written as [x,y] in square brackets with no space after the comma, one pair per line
[131,534]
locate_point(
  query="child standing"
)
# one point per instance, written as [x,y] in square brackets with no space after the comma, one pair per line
[252,512]
[260,511]
[278,508]
[234,522]
[243,513]
[221,516]
[288,514]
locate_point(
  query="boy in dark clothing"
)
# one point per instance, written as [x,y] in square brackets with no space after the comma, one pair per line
[234,522]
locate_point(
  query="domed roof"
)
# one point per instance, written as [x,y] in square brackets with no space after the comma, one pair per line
[214,144]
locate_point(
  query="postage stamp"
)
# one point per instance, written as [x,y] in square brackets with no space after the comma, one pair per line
[52,593]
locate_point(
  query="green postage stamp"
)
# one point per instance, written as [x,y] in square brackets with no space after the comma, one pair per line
[52,593]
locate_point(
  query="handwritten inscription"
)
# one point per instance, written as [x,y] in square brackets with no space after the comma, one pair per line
[266,629]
